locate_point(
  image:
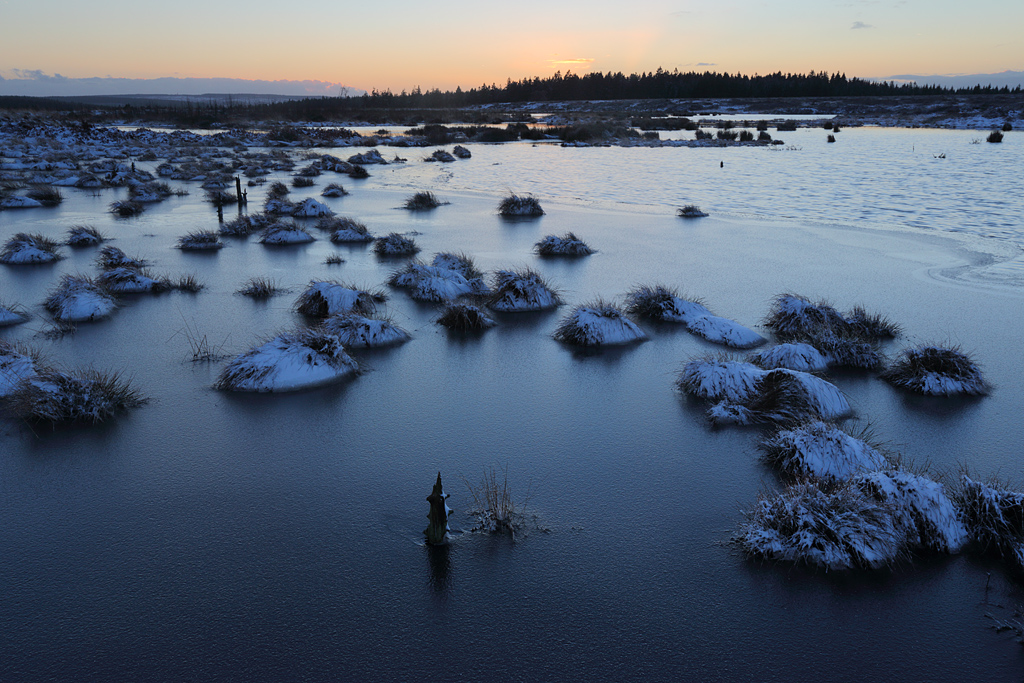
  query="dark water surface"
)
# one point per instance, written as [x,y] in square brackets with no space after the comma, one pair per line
[213,536]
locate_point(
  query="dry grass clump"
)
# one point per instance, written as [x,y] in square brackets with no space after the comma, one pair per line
[655,302]
[200,240]
[521,290]
[125,280]
[288,362]
[11,314]
[520,205]
[187,283]
[277,190]
[26,249]
[994,517]
[244,225]
[302,181]
[464,318]
[936,371]
[84,236]
[597,323]
[833,525]
[284,233]
[59,397]
[422,201]
[995,136]
[112,257]
[358,171]
[359,331]
[691,211]
[126,208]
[566,245]
[345,230]
[328,297]
[333,260]
[461,152]
[494,509]
[333,190]
[820,449]
[260,288]
[221,197]
[440,155]
[394,244]
[77,299]
[45,195]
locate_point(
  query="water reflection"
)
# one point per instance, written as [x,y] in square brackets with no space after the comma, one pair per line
[440,565]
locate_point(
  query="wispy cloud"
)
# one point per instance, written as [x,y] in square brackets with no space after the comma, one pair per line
[38,83]
[706,64]
[579,61]
[860,24]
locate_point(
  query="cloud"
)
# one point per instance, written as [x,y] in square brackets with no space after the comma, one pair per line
[35,82]
[582,62]
[860,24]
[706,64]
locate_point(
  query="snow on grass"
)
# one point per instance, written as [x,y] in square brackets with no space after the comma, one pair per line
[464,318]
[746,394]
[126,208]
[920,507]
[793,356]
[357,331]
[200,240]
[994,517]
[311,208]
[16,364]
[794,317]
[84,236]
[26,249]
[18,202]
[326,298]
[289,362]
[664,304]
[463,265]
[394,244]
[333,190]
[691,211]
[126,280]
[344,230]
[422,201]
[821,450]
[566,245]
[284,233]
[56,397]
[822,524]
[521,290]
[246,224]
[596,324]
[112,257]
[79,299]
[431,283]
[11,315]
[936,371]
[520,205]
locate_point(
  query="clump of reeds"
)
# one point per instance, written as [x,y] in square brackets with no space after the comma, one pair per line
[995,136]
[994,517]
[691,211]
[344,229]
[284,233]
[324,298]
[359,331]
[26,249]
[440,155]
[11,314]
[598,323]
[246,224]
[126,280]
[656,302]
[936,371]
[277,190]
[394,244]
[45,195]
[260,288]
[494,508]
[333,260]
[566,245]
[464,318]
[302,181]
[126,208]
[520,205]
[221,197]
[200,240]
[333,190]
[187,283]
[112,257]
[59,397]
[522,290]
[820,449]
[422,201]
[358,171]
[833,525]
[84,236]
[461,152]
[288,362]
[79,299]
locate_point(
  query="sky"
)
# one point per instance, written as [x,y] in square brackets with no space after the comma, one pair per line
[400,44]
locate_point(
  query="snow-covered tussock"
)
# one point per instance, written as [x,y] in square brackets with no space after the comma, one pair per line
[520,205]
[25,249]
[464,318]
[15,365]
[333,190]
[793,356]
[284,233]
[431,283]
[11,315]
[440,155]
[822,450]
[357,331]
[919,506]
[598,323]
[794,317]
[79,299]
[54,396]
[994,518]
[200,240]
[394,244]
[126,280]
[464,266]
[112,257]
[521,290]
[691,211]
[83,236]
[566,245]
[244,225]
[664,304]
[369,157]
[829,525]
[289,362]
[322,299]
[936,371]
[461,152]
[719,379]
[311,208]
[344,230]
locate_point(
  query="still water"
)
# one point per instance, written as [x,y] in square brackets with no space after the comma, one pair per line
[214,536]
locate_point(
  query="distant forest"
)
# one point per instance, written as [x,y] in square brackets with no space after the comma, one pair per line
[655,85]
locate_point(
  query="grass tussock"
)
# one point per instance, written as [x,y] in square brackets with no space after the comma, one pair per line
[520,205]
[394,244]
[422,201]
[597,323]
[126,208]
[494,508]
[995,136]
[994,517]
[303,181]
[187,283]
[84,236]
[328,297]
[277,190]
[200,240]
[58,397]
[243,226]
[691,211]
[45,195]
[566,245]
[112,257]
[333,190]
[345,230]
[653,302]
[221,197]
[260,288]
[522,290]
[334,260]
[27,249]
[464,318]
[937,371]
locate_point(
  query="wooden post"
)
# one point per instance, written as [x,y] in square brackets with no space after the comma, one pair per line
[238,191]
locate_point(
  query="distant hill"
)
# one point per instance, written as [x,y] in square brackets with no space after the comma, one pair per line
[38,84]
[223,99]
[1009,79]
